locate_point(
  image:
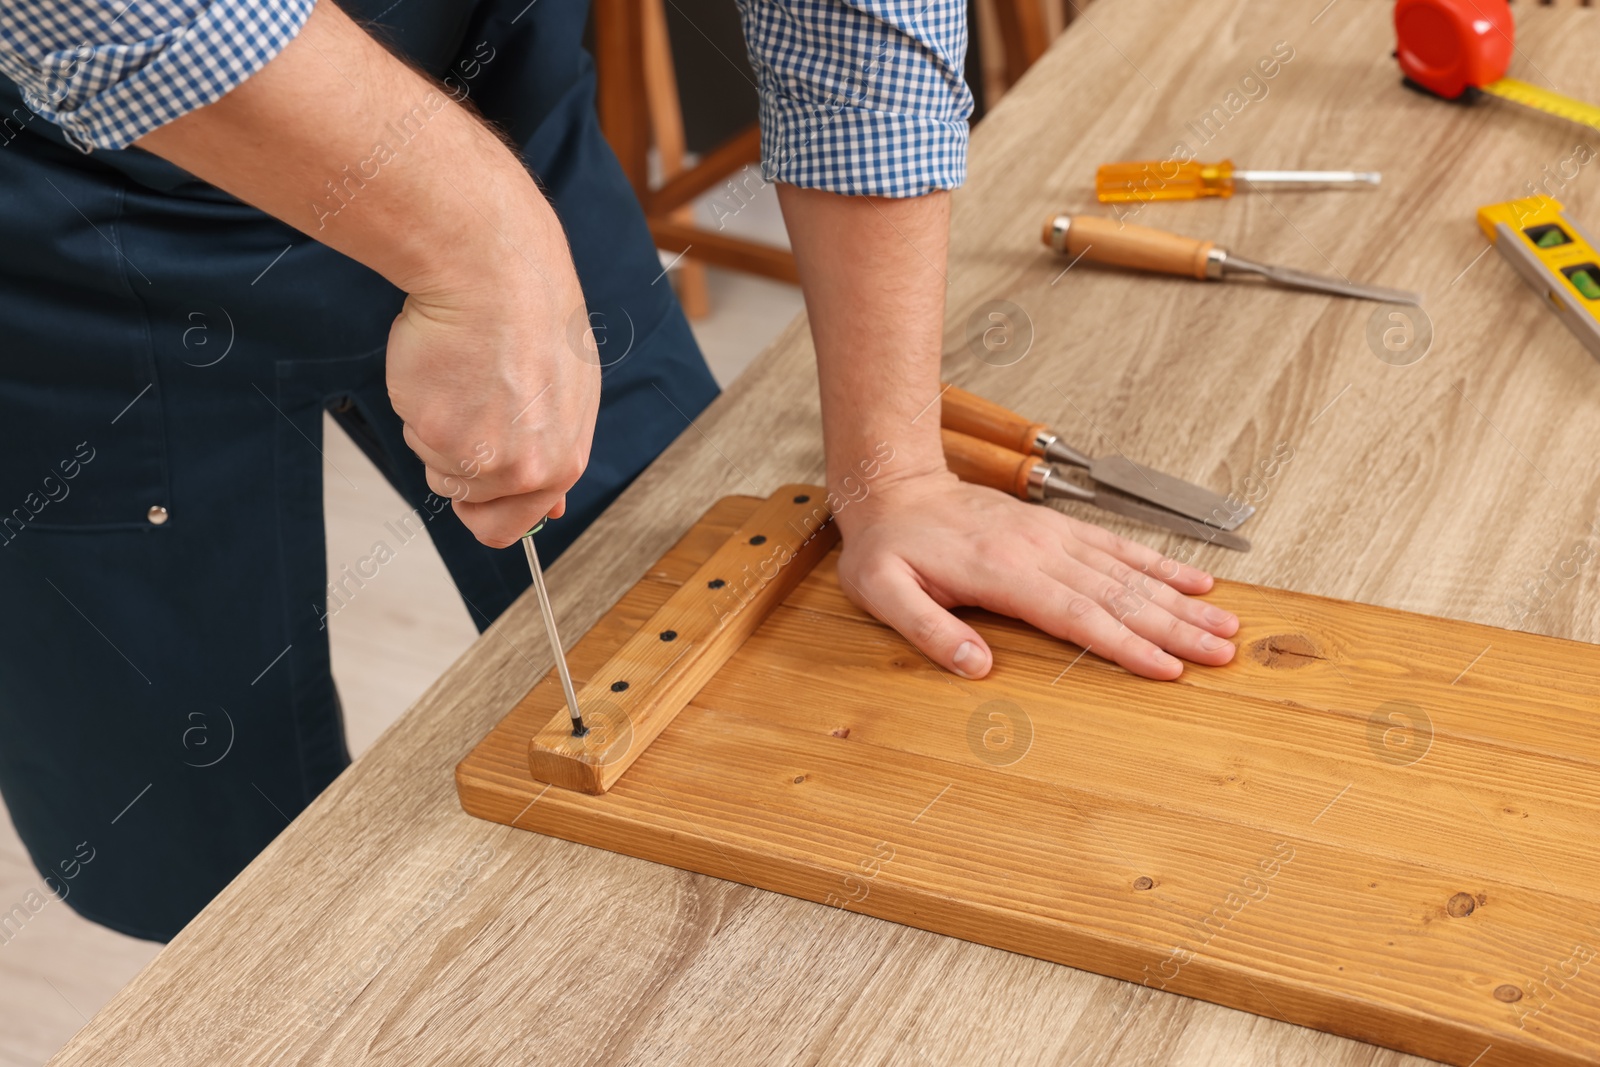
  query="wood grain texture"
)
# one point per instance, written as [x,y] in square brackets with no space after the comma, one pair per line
[1447,487]
[659,668]
[1183,836]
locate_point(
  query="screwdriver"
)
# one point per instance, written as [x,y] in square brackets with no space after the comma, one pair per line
[1121,183]
[1143,248]
[578,728]
[1031,478]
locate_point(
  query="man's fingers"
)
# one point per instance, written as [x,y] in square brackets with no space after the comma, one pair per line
[1143,558]
[893,594]
[430,456]
[1139,603]
[1075,615]
[486,474]
[1141,586]
[500,523]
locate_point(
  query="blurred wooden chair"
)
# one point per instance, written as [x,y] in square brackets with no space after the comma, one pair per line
[1013,34]
[640,110]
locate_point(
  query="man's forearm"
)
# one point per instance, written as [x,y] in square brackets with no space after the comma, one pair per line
[873,273]
[340,139]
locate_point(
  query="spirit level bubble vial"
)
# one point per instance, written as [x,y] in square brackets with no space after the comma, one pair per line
[1554,256]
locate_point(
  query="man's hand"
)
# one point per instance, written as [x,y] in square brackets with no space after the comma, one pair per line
[495,395]
[920,542]
[916,547]
[487,366]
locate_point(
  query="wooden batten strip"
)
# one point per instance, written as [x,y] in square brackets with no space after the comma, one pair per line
[641,689]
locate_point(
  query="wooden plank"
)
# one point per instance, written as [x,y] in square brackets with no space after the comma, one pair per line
[1247,835]
[660,668]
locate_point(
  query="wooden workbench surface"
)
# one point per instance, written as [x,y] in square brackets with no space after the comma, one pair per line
[388,926]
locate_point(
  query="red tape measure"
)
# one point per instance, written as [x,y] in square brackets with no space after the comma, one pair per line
[1451,46]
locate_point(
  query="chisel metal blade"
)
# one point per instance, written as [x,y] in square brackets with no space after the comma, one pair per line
[1059,488]
[1320,283]
[1166,491]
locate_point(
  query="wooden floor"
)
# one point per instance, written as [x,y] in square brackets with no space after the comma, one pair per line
[388,645]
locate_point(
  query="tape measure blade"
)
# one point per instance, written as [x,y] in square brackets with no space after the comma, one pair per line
[1546,100]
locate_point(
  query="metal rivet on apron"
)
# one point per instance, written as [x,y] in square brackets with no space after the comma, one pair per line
[157,514]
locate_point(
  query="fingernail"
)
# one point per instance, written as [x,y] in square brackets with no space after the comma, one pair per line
[1211,642]
[1216,616]
[1164,660]
[967,653]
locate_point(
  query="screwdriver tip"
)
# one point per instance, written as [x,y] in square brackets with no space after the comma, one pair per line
[578,729]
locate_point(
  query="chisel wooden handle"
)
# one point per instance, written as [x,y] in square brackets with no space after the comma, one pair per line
[984,463]
[974,416]
[1125,245]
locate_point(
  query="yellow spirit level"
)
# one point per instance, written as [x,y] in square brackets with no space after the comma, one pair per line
[1554,256]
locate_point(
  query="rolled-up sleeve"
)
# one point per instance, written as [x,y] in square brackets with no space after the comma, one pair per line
[110,71]
[864,97]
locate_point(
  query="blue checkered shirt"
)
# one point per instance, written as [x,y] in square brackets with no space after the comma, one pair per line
[857,96]
[861,96]
[110,71]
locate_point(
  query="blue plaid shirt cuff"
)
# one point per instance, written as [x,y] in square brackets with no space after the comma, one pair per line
[863,97]
[110,71]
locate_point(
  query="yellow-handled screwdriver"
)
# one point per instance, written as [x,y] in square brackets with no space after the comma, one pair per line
[1122,183]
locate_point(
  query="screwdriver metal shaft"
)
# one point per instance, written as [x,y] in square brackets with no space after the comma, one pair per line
[1310,177]
[578,728]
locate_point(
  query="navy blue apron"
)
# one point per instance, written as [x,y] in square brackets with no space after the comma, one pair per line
[166,356]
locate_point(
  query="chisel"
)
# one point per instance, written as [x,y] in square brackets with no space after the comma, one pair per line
[1030,478]
[1123,244]
[974,416]
[578,729]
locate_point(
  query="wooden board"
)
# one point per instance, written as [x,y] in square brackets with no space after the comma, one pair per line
[1296,834]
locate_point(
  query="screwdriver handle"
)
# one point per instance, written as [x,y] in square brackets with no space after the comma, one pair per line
[985,463]
[1122,183]
[1126,245]
[974,416]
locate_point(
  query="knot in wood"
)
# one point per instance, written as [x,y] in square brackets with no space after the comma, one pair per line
[1461,905]
[1284,651]
[1144,882]
[1507,994]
